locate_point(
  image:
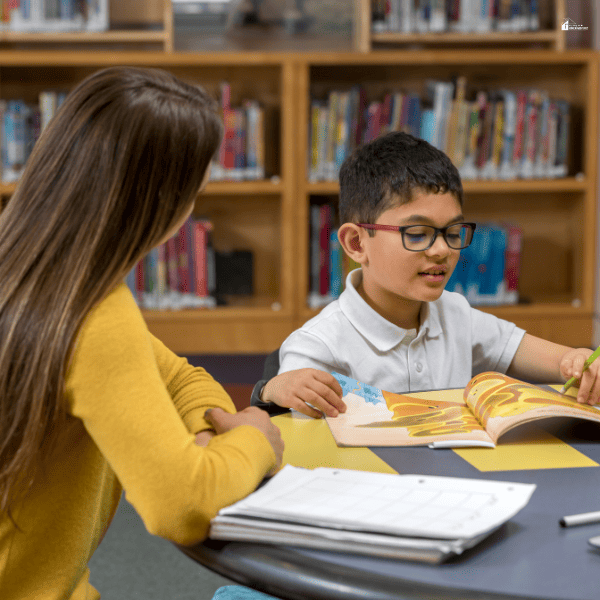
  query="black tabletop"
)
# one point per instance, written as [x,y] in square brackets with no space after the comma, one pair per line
[531,556]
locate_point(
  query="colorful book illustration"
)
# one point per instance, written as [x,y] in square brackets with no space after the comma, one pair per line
[490,405]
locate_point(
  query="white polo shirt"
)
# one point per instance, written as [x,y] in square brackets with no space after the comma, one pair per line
[454,343]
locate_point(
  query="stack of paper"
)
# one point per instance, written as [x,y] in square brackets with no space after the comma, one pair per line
[411,517]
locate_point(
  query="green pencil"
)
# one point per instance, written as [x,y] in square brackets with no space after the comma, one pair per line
[586,364]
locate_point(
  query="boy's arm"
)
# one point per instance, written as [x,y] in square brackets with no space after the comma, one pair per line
[303,389]
[543,361]
[304,380]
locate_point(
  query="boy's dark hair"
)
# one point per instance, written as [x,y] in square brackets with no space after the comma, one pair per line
[385,173]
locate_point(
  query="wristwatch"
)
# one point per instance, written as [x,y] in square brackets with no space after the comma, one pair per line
[270,407]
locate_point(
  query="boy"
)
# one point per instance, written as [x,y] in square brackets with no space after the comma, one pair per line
[394,326]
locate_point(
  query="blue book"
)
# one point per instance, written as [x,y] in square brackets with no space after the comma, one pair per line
[335,264]
[492,279]
[427,127]
[414,115]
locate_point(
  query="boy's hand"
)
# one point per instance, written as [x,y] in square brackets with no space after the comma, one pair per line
[571,365]
[297,389]
[223,421]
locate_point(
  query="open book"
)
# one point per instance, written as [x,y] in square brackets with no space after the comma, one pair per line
[490,405]
[412,517]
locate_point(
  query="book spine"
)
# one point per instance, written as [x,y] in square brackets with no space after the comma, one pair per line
[512,261]
[518,148]
[335,265]
[172,259]
[529,136]
[562,151]
[507,170]
[161,271]
[183,259]
[314,248]
[140,282]
[324,233]
[200,266]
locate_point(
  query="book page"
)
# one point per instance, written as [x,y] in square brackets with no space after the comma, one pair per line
[501,403]
[378,418]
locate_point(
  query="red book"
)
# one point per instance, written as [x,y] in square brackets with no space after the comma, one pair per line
[386,114]
[184,258]
[519,128]
[512,261]
[324,231]
[200,235]
[139,279]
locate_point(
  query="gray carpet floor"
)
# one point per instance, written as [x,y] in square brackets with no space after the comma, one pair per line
[131,564]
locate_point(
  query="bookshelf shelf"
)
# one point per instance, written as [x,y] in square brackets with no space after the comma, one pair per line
[225,188]
[143,23]
[494,38]
[535,186]
[547,35]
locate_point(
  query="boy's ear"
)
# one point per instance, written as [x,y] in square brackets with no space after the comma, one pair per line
[351,240]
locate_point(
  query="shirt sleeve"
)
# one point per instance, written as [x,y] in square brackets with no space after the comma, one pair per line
[141,404]
[494,342]
[302,350]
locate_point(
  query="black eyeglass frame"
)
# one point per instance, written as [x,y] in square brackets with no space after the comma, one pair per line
[436,231]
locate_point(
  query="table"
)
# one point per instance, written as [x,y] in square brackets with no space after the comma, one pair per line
[530,557]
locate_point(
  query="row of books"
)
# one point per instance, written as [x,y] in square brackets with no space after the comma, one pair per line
[329,264]
[242,152]
[463,16]
[20,125]
[179,273]
[54,15]
[241,155]
[498,134]
[488,270]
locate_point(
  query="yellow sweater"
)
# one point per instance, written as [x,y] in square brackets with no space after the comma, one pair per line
[134,409]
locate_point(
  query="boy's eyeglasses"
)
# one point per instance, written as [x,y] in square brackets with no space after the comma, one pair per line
[417,238]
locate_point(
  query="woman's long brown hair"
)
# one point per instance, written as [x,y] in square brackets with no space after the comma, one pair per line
[115,170]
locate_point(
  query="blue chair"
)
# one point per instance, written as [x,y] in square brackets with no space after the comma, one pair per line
[238,592]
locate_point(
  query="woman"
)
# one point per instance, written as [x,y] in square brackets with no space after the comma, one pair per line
[90,402]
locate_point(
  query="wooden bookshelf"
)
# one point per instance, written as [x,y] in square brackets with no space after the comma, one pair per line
[146,24]
[270,216]
[253,215]
[550,36]
[558,216]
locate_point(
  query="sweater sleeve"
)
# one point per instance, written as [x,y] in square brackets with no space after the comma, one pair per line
[141,404]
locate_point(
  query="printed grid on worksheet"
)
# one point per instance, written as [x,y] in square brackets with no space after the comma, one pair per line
[425,506]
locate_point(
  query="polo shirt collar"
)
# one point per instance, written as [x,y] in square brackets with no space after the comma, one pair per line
[377,330]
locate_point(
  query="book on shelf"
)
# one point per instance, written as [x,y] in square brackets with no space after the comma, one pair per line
[461,16]
[410,517]
[241,155]
[487,272]
[328,263]
[488,134]
[179,273]
[490,405]
[47,16]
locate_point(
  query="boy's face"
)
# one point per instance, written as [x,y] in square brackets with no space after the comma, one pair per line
[394,277]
